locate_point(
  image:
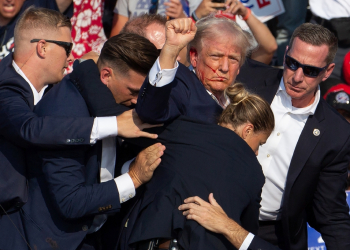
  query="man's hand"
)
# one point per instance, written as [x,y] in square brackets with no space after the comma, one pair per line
[130,126]
[174,9]
[212,217]
[206,7]
[142,168]
[179,32]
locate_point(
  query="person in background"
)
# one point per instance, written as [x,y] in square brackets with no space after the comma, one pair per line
[335,16]
[126,9]
[10,11]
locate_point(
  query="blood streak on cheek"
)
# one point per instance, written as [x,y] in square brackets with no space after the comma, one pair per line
[220,77]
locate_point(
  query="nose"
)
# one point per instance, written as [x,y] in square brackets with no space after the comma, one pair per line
[70,58]
[298,75]
[224,64]
[134,100]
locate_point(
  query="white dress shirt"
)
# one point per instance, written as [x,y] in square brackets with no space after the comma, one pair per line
[276,154]
[105,128]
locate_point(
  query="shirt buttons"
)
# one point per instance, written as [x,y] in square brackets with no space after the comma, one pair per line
[268,155]
[130,196]
[123,199]
[278,134]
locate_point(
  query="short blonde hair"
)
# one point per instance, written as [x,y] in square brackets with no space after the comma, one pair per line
[40,18]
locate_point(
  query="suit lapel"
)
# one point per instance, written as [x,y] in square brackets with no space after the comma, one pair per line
[307,142]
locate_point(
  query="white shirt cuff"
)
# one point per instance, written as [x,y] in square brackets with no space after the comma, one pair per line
[158,77]
[246,243]
[126,166]
[103,127]
[125,187]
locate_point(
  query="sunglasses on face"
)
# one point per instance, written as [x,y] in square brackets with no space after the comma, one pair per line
[310,71]
[67,46]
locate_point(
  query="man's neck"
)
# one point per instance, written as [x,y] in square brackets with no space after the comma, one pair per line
[29,74]
[303,103]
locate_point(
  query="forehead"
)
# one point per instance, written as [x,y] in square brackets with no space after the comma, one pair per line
[156,34]
[133,79]
[309,54]
[224,45]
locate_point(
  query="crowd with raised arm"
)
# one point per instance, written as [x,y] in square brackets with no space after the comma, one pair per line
[126,146]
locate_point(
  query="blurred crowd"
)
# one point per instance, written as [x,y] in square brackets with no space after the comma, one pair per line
[121,119]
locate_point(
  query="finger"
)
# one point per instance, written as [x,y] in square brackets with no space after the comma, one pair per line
[212,200]
[147,135]
[153,156]
[155,165]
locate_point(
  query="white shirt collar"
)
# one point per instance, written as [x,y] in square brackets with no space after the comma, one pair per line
[37,96]
[309,110]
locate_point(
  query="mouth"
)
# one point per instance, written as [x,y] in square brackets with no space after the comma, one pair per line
[8,7]
[294,88]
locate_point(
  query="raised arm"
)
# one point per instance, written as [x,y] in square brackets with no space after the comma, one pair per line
[158,101]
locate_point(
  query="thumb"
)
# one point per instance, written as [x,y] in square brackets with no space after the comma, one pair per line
[212,200]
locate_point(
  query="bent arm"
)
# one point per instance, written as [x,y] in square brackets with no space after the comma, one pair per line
[65,175]
[22,127]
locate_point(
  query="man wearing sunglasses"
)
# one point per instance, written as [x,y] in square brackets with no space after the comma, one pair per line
[306,157]
[43,46]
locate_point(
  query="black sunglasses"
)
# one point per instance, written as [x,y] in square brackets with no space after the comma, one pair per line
[310,71]
[67,46]
[154,7]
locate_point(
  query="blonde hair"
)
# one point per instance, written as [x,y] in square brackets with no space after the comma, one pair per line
[246,107]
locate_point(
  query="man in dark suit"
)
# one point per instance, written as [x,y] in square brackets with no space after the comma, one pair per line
[73,191]
[306,175]
[24,76]
[216,61]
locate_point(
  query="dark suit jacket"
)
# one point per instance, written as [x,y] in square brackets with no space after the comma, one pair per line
[316,180]
[200,158]
[64,189]
[100,103]
[21,128]
[186,95]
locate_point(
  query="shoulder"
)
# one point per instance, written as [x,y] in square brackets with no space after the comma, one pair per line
[63,99]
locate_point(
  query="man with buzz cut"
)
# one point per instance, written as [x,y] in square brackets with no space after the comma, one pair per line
[43,51]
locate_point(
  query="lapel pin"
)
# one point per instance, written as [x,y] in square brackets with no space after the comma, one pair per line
[316,132]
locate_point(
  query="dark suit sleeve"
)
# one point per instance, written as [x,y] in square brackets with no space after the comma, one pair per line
[329,212]
[162,104]
[22,127]
[65,175]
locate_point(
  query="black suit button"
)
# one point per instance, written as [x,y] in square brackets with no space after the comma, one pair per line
[81,139]
[68,140]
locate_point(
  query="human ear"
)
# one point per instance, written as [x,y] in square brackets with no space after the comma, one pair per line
[247,130]
[193,57]
[41,48]
[328,72]
[105,75]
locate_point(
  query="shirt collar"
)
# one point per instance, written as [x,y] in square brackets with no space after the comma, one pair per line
[309,110]
[37,96]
